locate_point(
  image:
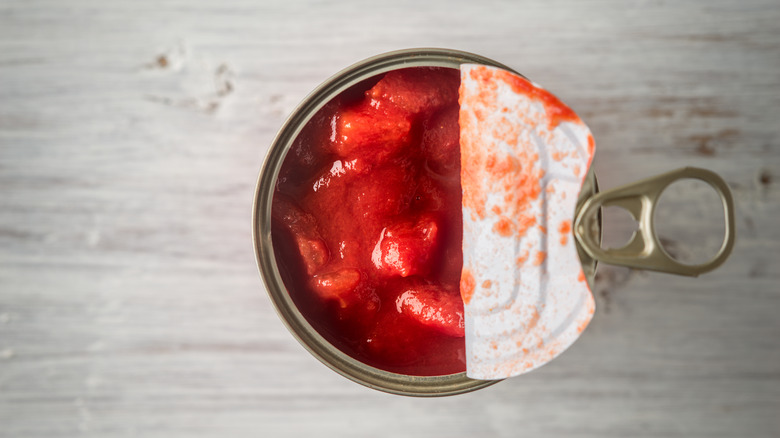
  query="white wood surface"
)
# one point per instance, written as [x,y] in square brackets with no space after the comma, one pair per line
[131,134]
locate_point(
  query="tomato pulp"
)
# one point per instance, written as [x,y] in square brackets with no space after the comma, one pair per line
[367,222]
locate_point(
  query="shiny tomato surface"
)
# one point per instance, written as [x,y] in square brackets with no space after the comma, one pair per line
[367,222]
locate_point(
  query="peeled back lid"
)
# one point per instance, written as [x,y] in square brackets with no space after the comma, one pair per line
[524,157]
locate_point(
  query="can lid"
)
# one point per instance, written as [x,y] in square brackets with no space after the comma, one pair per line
[524,157]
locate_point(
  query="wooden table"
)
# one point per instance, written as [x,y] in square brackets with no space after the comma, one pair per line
[131,134]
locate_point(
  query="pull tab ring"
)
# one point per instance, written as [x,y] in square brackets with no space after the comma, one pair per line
[644,250]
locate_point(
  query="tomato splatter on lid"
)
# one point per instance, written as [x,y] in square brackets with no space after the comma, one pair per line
[466,286]
[556,110]
[565,230]
[539,258]
[503,227]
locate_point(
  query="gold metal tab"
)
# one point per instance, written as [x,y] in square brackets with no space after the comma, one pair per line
[644,250]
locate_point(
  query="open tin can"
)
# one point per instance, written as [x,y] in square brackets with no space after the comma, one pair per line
[643,251]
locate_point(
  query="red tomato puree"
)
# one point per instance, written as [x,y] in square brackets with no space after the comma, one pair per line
[367,224]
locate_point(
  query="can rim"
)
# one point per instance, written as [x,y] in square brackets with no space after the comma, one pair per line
[296,323]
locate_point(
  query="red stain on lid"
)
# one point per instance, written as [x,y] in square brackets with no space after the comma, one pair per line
[466,285]
[523,258]
[565,230]
[591,145]
[557,111]
[524,223]
[486,168]
[503,227]
[591,148]
[540,256]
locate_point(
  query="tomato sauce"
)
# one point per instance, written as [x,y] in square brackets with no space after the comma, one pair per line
[367,222]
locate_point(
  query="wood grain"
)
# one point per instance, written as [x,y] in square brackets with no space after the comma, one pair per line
[131,134]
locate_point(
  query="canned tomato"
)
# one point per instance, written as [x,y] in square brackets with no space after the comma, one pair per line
[352,321]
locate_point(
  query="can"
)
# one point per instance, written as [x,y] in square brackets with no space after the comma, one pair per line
[644,251]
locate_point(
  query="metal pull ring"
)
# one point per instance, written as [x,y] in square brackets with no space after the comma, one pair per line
[644,250]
